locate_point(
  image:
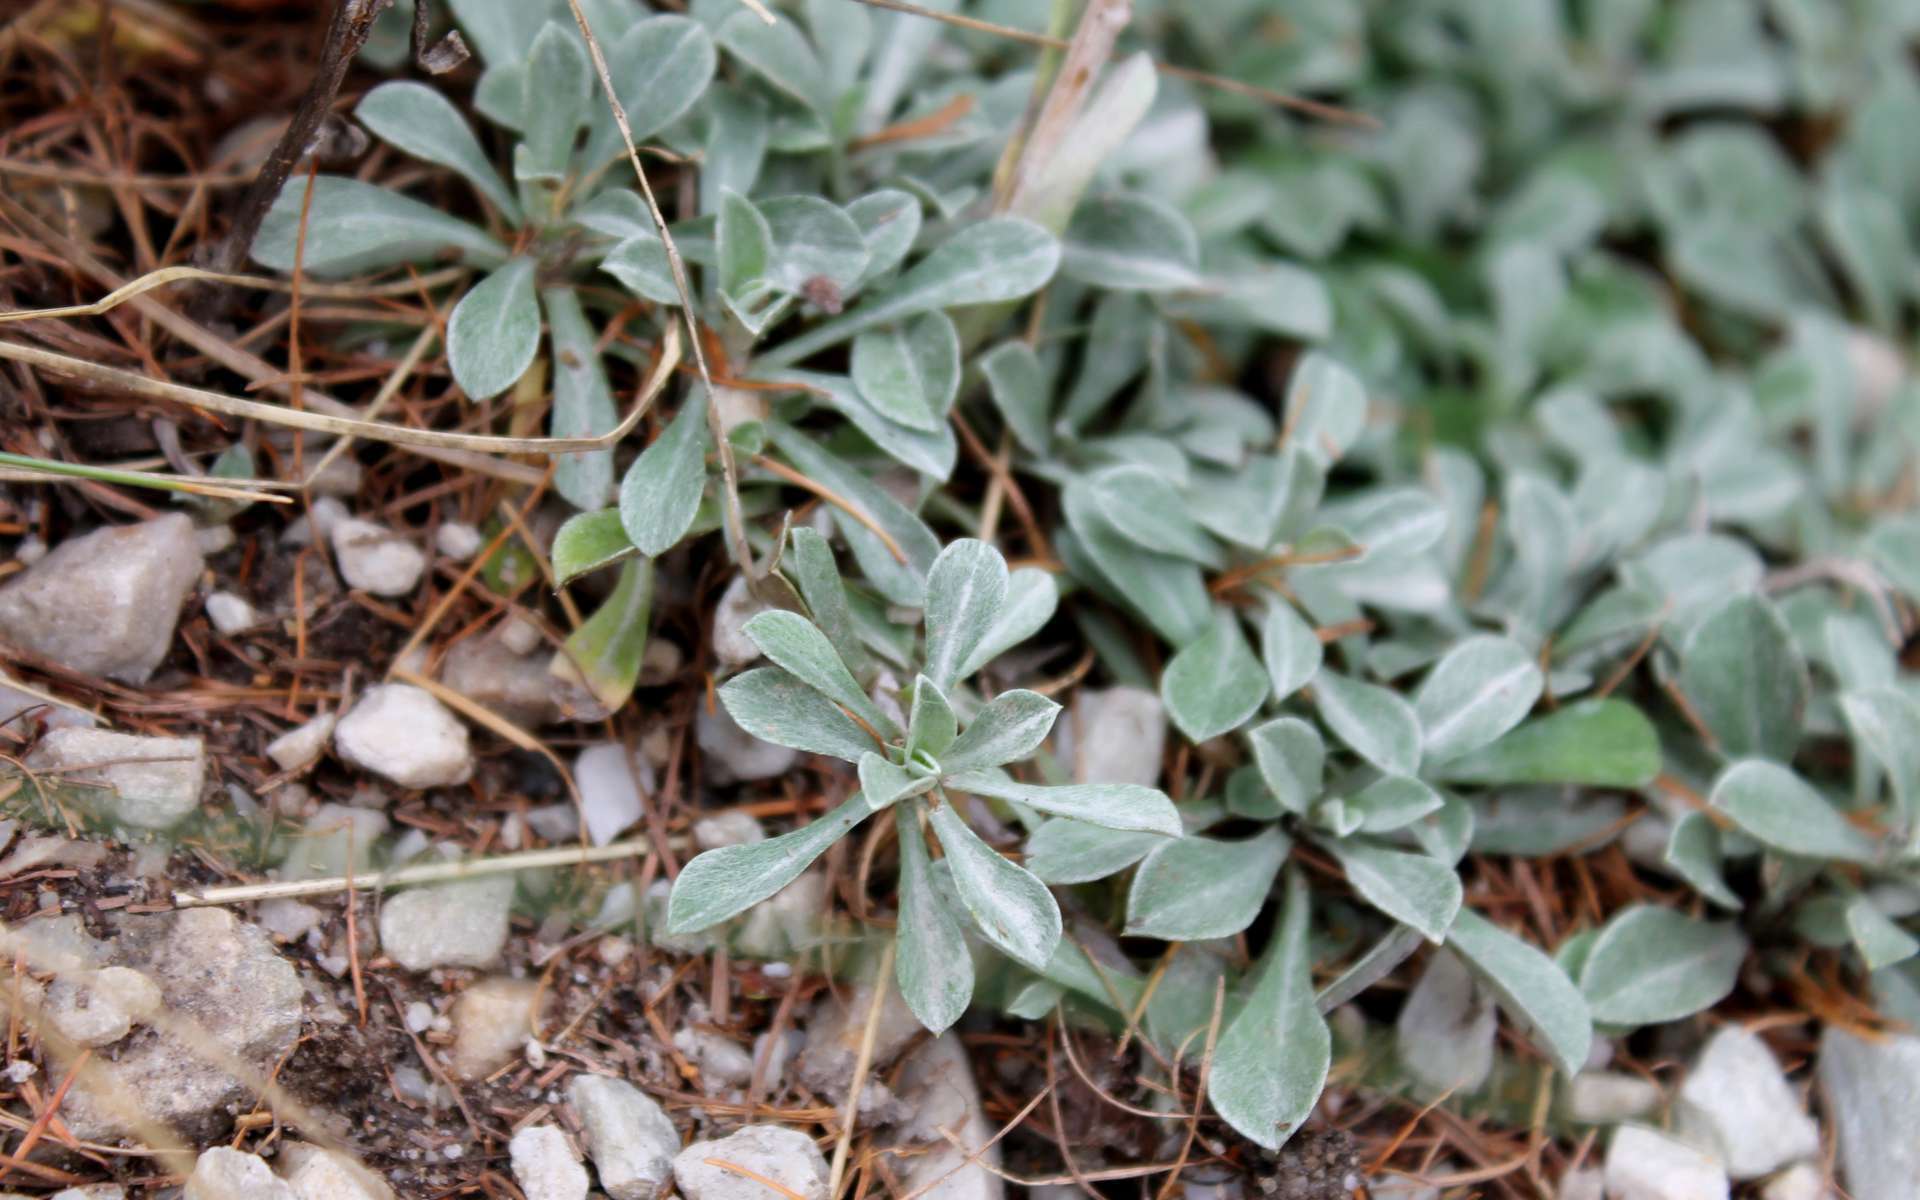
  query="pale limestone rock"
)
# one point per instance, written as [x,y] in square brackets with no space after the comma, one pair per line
[315,1173]
[545,1164]
[403,733]
[375,559]
[1737,1101]
[786,1156]
[225,1174]
[303,744]
[1645,1165]
[460,924]
[628,1136]
[152,782]
[492,1020]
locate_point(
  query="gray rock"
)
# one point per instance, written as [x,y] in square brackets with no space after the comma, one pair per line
[1873,1091]
[834,1035]
[45,708]
[87,1191]
[488,672]
[492,1021]
[545,1165]
[1609,1097]
[1737,1102]
[722,1062]
[153,794]
[230,613]
[303,744]
[730,828]
[326,511]
[225,1174]
[1587,1183]
[936,1084]
[402,732]
[1446,1028]
[227,1002]
[375,559]
[1645,1165]
[628,1136]
[106,603]
[613,783]
[786,1156]
[460,924]
[457,541]
[315,1173]
[336,839]
[735,756]
[1118,736]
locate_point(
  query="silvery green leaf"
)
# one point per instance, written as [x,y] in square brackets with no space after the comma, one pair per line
[1008,729]
[910,372]
[1693,852]
[1291,648]
[1064,851]
[1885,722]
[900,583]
[1326,407]
[661,68]
[1858,653]
[1131,242]
[965,591]
[745,244]
[1745,680]
[1114,805]
[1167,591]
[900,45]
[844,34]
[582,401]
[1292,761]
[885,785]
[1530,987]
[495,331]
[640,263]
[603,656]
[1011,908]
[1774,806]
[553,104]
[932,965]
[1116,351]
[1599,743]
[1032,597]
[1482,688]
[1214,684]
[1652,964]
[1881,943]
[1446,832]
[661,491]
[354,227]
[1411,888]
[1197,888]
[1035,1000]
[776,707]
[724,883]
[589,541]
[1268,295]
[1375,722]
[814,241]
[1143,507]
[1114,109]
[889,222]
[420,121]
[1018,384]
[930,452]
[1249,796]
[1390,524]
[817,576]
[1272,1060]
[999,259]
[1392,802]
[931,725]
[500,32]
[739,127]
[790,640]
[781,55]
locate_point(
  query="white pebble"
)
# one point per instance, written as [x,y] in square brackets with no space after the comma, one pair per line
[230,613]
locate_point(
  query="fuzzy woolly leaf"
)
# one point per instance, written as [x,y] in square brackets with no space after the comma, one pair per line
[582,401]
[1292,650]
[775,707]
[1215,683]
[1652,964]
[1375,722]
[1011,908]
[932,966]
[1126,806]
[726,882]
[1063,851]
[1411,888]
[1198,888]
[495,331]
[1745,679]
[1008,729]
[931,725]
[589,541]
[791,641]
[1530,987]
[885,785]
[965,591]
[1480,690]
[910,372]
[661,491]
[420,121]
[354,227]
[1775,806]
[1032,597]
[1131,243]
[1292,761]
[1599,743]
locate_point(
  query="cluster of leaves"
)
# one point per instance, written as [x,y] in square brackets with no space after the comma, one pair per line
[1576,499]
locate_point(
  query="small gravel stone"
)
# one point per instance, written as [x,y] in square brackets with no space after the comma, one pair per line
[338,839]
[730,828]
[319,1174]
[149,794]
[1609,1097]
[375,559]
[1446,1027]
[1587,1183]
[303,744]
[402,732]
[613,784]
[341,476]
[1645,1165]
[457,541]
[834,1035]
[230,613]
[98,1008]
[492,1020]
[225,1174]
[1119,735]
[735,756]
[326,512]
[106,603]
[519,635]
[545,1165]
[460,924]
[1802,1181]
[723,1062]
[786,1156]
[517,686]
[1873,1091]
[937,1086]
[1737,1101]
[286,919]
[628,1136]
[732,648]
